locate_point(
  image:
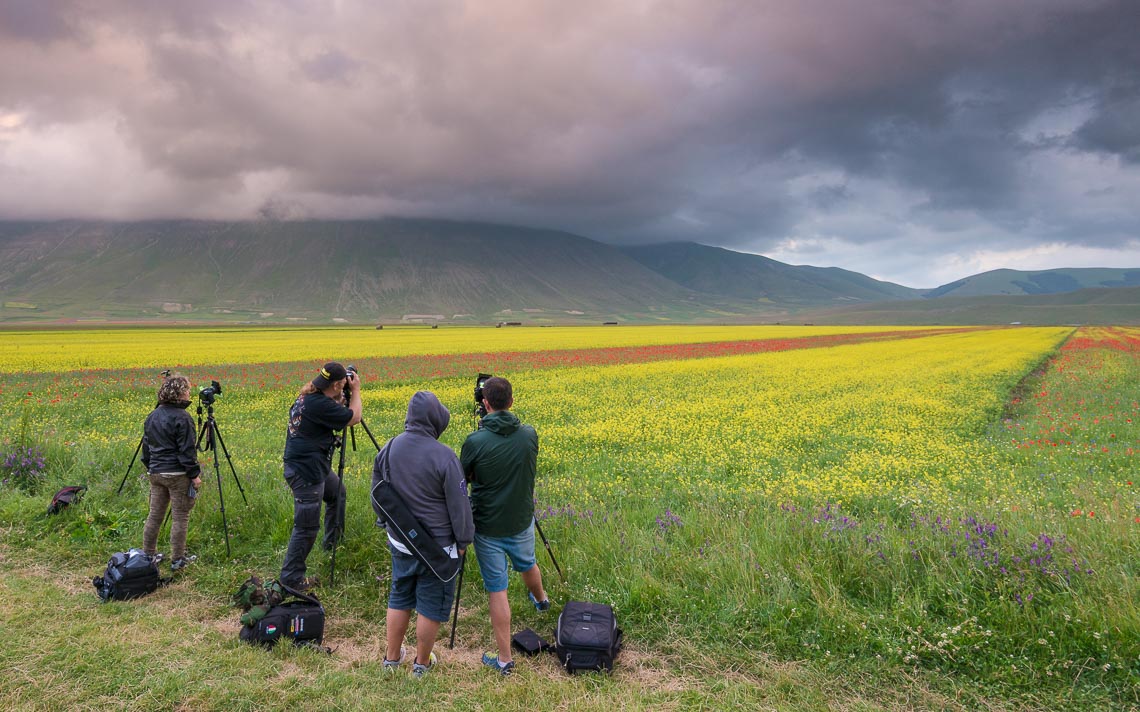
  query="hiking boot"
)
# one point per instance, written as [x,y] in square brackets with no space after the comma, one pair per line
[157,558]
[394,665]
[540,606]
[492,661]
[179,564]
[306,584]
[419,670]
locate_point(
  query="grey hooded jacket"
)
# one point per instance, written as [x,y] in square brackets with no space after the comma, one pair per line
[426,473]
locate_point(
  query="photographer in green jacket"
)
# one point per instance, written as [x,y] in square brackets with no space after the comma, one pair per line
[500,460]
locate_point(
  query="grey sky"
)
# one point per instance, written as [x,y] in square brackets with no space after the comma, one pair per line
[913,140]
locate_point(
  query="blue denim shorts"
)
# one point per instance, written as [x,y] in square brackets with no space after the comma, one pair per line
[415,586]
[493,553]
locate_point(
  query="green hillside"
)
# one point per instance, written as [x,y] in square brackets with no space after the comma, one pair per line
[396,270]
[1117,306]
[1053,281]
[355,270]
[715,270]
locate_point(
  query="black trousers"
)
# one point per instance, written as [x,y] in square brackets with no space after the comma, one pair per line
[307,500]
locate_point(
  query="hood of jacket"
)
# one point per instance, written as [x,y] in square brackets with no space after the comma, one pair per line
[501,422]
[426,415]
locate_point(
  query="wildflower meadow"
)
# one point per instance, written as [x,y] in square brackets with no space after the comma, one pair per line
[783,517]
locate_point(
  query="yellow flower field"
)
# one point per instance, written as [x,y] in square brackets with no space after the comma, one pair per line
[133,348]
[897,418]
[900,419]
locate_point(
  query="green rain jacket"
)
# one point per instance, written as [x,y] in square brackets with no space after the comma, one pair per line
[500,461]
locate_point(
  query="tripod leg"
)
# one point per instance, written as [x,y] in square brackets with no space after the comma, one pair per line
[221,497]
[341,507]
[458,590]
[226,452]
[137,450]
[166,520]
[549,550]
[370,435]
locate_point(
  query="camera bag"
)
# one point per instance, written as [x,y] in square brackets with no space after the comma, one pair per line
[67,496]
[587,637]
[299,617]
[406,528]
[129,575]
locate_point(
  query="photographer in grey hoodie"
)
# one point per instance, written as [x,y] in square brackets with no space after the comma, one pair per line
[427,475]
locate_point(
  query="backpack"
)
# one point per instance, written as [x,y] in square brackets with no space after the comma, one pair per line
[129,575]
[587,637]
[66,496]
[282,613]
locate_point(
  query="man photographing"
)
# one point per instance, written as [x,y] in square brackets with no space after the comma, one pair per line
[426,475]
[317,413]
[500,460]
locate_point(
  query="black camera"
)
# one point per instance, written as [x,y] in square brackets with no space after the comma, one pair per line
[347,385]
[480,409]
[207,394]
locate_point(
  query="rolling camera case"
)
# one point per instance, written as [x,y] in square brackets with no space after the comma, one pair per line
[587,637]
[129,575]
[300,618]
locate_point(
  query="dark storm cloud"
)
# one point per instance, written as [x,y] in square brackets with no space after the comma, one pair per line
[1115,129]
[34,20]
[945,126]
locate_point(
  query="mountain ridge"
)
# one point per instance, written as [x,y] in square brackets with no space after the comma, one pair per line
[406,269]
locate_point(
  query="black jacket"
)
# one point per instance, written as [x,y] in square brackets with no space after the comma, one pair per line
[170,440]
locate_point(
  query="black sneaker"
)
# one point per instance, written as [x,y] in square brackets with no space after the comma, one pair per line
[306,584]
[540,606]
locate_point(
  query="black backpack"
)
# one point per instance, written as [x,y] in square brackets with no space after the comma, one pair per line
[129,575]
[66,496]
[298,617]
[587,637]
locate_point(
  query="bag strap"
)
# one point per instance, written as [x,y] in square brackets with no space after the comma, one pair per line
[386,462]
[438,568]
[299,595]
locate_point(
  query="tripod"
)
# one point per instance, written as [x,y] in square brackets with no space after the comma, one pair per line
[138,449]
[209,436]
[350,432]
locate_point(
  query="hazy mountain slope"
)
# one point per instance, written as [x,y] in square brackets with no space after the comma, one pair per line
[341,268]
[715,270]
[387,269]
[1118,306]
[1053,281]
